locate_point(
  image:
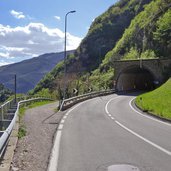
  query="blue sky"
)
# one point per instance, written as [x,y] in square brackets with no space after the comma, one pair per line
[32,27]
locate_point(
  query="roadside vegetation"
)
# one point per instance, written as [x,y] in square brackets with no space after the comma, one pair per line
[5,93]
[22,128]
[128,30]
[157,102]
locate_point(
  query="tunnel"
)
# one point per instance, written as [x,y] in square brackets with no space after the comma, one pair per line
[135,79]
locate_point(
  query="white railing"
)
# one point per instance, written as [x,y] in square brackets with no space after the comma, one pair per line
[8,124]
[72,101]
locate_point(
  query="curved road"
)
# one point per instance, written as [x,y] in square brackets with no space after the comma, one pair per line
[108,134]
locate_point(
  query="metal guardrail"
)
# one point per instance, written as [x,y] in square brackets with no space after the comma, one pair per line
[7,123]
[7,120]
[67,103]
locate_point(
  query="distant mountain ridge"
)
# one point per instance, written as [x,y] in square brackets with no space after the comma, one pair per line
[129,29]
[29,72]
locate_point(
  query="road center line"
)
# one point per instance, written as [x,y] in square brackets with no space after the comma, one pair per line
[136,134]
[106,107]
[146,116]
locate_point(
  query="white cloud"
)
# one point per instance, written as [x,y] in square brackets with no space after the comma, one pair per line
[4,63]
[57,17]
[32,40]
[18,15]
[4,55]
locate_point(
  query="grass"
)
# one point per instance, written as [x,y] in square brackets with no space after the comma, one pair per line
[157,102]
[22,128]
[22,131]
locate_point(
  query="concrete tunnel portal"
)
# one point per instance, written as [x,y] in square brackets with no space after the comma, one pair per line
[135,78]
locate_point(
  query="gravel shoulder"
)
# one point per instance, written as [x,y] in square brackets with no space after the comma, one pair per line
[33,150]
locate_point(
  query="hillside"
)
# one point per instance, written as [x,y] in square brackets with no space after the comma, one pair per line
[157,102]
[148,35]
[29,72]
[127,30]
[106,30]
[102,36]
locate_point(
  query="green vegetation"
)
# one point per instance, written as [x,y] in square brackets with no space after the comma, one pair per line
[106,30]
[22,128]
[21,131]
[162,34]
[148,32]
[157,102]
[102,36]
[101,80]
[4,93]
[128,30]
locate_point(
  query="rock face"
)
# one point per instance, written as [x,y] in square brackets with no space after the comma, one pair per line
[29,72]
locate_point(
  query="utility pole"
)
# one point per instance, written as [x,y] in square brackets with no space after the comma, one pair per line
[15,87]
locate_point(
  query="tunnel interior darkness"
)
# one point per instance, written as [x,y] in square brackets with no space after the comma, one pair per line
[135,78]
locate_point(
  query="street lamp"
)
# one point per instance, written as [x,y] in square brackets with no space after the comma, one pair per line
[15,88]
[65,56]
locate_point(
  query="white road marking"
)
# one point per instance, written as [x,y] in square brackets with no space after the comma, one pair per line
[144,139]
[65,117]
[146,116]
[62,121]
[67,113]
[53,162]
[112,118]
[60,127]
[106,107]
[134,133]
[55,153]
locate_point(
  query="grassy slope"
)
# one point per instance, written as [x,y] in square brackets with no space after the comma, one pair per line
[158,101]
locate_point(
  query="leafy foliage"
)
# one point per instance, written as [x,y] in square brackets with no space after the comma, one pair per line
[101,79]
[162,35]
[140,33]
[106,30]
[4,93]
[130,29]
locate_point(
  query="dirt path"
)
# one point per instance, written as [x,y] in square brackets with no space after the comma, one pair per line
[32,152]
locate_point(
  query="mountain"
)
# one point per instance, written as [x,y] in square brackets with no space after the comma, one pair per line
[102,36]
[29,72]
[148,35]
[127,30]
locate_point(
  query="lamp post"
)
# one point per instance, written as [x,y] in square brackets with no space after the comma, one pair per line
[15,88]
[65,55]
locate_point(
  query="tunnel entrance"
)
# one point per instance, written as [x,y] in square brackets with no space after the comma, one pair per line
[135,78]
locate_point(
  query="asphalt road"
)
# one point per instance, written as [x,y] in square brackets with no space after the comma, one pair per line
[107,134]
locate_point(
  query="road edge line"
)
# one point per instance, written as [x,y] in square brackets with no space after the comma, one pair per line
[136,134]
[146,115]
[54,155]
